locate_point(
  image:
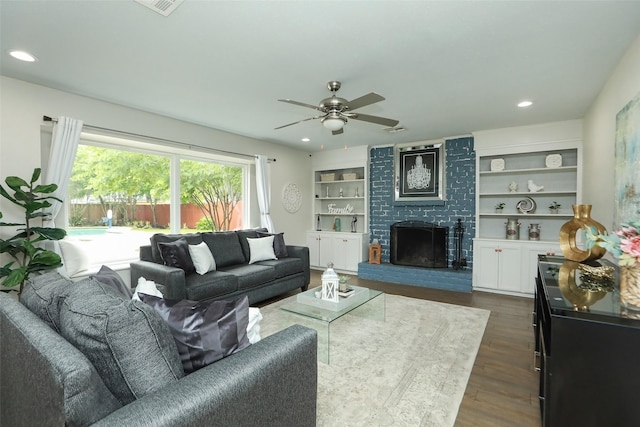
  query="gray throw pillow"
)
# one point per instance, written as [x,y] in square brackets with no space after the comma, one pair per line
[43,296]
[204,331]
[192,239]
[130,346]
[176,254]
[225,247]
[279,247]
[112,279]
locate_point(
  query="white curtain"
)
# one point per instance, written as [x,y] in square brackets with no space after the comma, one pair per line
[262,187]
[64,144]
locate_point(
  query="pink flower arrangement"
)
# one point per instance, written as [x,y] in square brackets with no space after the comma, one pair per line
[623,244]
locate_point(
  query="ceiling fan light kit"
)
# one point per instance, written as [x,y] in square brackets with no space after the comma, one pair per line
[334,123]
[337,110]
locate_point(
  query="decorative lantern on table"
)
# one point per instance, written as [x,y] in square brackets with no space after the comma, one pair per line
[330,284]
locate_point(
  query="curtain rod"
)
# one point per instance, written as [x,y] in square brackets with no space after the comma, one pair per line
[183,144]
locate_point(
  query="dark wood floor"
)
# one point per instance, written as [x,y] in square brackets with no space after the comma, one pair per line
[503,387]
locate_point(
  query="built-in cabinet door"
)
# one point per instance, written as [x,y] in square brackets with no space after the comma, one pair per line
[497,265]
[486,265]
[510,267]
[320,249]
[346,252]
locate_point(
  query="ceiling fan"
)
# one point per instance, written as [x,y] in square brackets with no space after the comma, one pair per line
[335,111]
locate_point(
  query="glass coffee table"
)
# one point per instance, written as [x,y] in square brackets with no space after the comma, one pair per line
[319,314]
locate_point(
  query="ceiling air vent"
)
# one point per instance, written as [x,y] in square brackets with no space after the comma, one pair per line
[395,129]
[163,7]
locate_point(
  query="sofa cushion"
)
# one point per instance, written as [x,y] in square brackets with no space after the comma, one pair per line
[129,344]
[211,285]
[279,246]
[204,331]
[176,254]
[284,267]
[225,247]
[192,239]
[261,249]
[251,233]
[45,379]
[111,278]
[44,294]
[251,275]
[202,258]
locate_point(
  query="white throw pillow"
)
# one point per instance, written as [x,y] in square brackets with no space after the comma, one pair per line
[253,328]
[202,258]
[74,259]
[261,249]
[146,287]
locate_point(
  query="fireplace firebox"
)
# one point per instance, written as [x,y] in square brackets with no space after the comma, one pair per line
[419,244]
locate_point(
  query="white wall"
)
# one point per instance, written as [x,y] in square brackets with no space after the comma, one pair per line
[599,135]
[22,106]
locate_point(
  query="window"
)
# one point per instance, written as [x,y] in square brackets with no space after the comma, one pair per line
[122,192]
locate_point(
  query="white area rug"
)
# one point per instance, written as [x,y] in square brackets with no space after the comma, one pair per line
[410,370]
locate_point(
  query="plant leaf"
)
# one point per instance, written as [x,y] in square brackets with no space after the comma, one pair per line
[10,224]
[16,277]
[44,260]
[6,195]
[15,183]
[45,188]
[35,175]
[50,233]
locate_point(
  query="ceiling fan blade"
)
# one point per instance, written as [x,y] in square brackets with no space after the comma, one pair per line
[299,121]
[302,104]
[363,101]
[377,120]
[337,132]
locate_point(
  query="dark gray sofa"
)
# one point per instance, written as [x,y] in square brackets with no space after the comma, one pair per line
[234,275]
[47,381]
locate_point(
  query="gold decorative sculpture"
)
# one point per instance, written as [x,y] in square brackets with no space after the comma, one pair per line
[570,250]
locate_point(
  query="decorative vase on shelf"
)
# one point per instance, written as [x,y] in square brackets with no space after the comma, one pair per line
[568,244]
[318,227]
[513,229]
[534,231]
[630,287]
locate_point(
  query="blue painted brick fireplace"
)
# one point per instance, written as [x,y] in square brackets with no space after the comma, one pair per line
[459,203]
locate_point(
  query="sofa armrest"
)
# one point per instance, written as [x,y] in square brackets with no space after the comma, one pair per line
[171,280]
[270,383]
[301,252]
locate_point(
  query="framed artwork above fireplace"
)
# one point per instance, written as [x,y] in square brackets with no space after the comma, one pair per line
[419,172]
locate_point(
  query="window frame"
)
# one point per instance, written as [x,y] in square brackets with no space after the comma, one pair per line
[175,155]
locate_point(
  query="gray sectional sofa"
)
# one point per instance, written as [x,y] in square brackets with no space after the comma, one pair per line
[233,277]
[132,376]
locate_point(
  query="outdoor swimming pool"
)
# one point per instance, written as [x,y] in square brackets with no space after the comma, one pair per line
[87,231]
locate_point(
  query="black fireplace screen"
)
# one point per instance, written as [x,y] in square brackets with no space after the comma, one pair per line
[419,244]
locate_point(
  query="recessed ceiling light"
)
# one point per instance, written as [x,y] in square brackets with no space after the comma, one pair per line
[305,140]
[22,55]
[524,104]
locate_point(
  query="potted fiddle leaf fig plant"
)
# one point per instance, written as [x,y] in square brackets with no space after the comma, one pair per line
[25,247]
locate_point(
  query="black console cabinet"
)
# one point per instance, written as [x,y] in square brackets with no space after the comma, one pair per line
[587,350]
